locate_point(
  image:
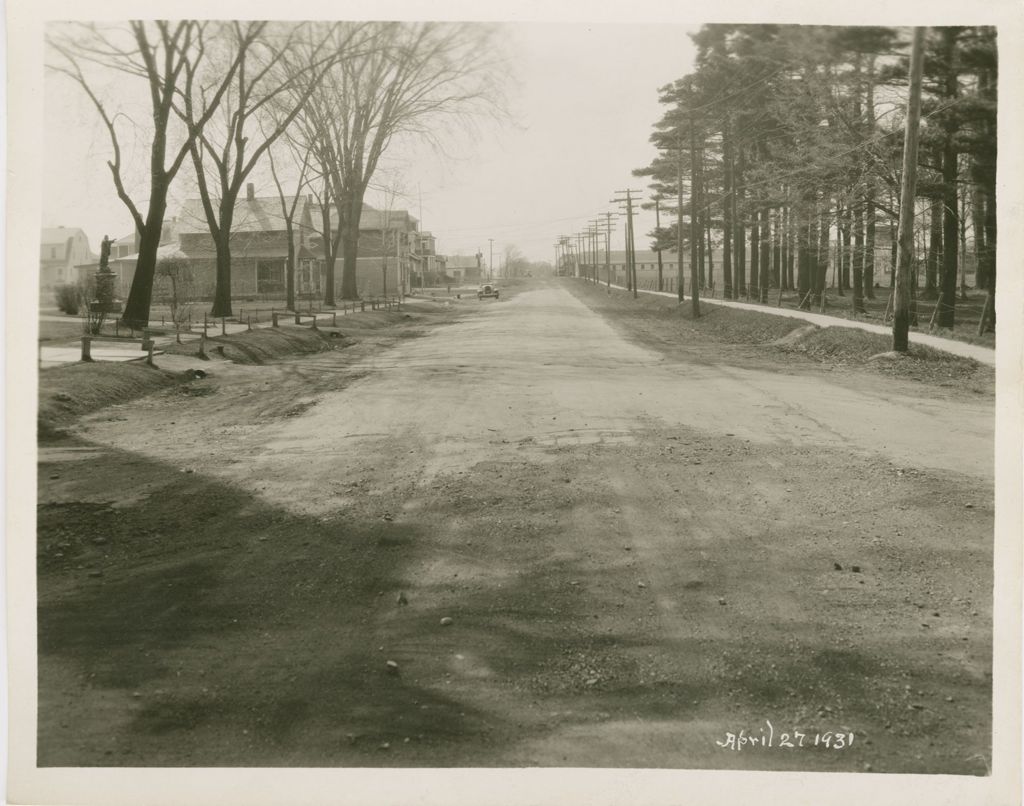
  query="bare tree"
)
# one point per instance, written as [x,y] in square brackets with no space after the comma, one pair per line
[289,206]
[182,293]
[280,65]
[410,77]
[168,57]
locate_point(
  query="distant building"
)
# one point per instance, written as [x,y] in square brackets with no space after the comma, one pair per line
[61,249]
[392,254]
[387,241]
[464,269]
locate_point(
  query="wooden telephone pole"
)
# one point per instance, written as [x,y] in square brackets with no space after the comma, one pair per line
[607,249]
[905,253]
[630,240]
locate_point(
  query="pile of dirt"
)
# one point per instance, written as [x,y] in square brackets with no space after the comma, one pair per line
[849,346]
[69,391]
[262,345]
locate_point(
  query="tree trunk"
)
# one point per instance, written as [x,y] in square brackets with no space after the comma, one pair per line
[858,259]
[776,238]
[222,243]
[222,291]
[804,240]
[764,254]
[869,246]
[931,269]
[821,265]
[962,234]
[990,250]
[350,248]
[739,235]
[727,215]
[844,239]
[709,278]
[950,228]
[140,295]
[978,225]
[755,252]
[289,267]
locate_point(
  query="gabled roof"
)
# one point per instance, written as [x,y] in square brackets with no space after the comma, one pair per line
[262,214]
[370,219]
[57,236]
[462,262]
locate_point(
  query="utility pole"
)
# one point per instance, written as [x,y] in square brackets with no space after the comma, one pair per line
[695,229]
[607,249]
[905,254]
[657,228]
[595,234]
[490,262]
[631,280]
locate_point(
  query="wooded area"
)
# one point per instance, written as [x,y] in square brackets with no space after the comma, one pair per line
[790,139]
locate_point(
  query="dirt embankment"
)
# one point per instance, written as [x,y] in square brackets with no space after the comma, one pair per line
[70,391]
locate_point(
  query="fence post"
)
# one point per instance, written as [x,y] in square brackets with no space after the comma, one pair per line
[248,322]
[223,327]
[149,358]
[202,346]
[86,348]
[274,316]
[334,318]
[362,307]
[297,318]
[204,323]
[314,322]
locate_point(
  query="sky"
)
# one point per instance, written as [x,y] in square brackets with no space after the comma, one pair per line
[582,100]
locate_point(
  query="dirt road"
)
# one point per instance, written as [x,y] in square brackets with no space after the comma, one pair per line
[520,539]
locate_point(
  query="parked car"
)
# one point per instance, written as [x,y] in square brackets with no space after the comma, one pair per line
[487,290]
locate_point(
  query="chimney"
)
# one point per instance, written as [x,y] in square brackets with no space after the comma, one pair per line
[250,191]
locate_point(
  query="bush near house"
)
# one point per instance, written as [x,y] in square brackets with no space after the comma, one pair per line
[69,298]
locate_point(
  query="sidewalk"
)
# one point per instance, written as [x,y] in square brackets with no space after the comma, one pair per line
[983,355]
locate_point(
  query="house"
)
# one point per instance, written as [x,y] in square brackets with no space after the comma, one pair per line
[388,245]
[464,269]
[259,251]
[387,248]
[61,249]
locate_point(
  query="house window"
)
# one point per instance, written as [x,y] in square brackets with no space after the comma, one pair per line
[53,253]
[269,276]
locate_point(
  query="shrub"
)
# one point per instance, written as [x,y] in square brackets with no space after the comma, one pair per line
[69,298]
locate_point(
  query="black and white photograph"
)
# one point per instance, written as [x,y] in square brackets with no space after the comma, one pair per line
[523,403]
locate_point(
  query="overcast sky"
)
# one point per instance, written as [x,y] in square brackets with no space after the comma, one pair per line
[583,99]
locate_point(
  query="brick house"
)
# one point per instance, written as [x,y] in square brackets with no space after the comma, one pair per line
[388,242]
